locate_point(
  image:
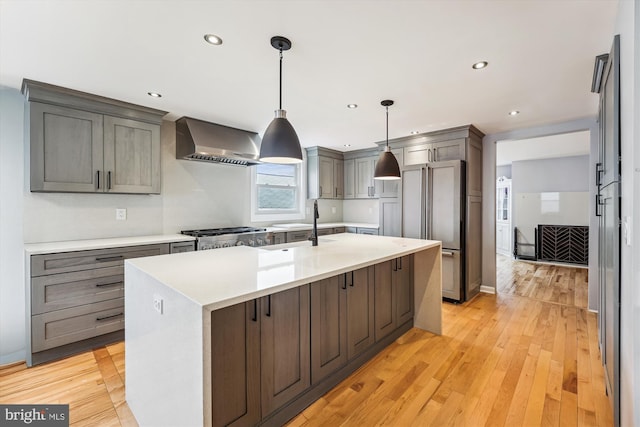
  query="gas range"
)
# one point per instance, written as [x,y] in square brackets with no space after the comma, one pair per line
[214,238]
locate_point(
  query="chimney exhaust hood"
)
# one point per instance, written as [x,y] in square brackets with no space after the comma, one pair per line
[210,142]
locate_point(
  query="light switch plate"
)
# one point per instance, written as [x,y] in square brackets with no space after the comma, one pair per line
[626,230]
[333,209]
[121,214]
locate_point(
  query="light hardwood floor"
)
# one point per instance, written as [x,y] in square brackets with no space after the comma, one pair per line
[525,357]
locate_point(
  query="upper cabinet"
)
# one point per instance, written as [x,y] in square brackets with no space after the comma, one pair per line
[325,174]
[89,144]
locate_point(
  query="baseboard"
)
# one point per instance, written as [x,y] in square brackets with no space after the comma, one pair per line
[487,289]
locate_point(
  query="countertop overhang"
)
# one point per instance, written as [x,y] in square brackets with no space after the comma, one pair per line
[224,277]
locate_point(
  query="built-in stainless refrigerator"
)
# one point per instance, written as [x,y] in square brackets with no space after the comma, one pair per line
[433,207]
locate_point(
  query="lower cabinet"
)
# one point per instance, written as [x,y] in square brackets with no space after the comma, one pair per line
[259,356]
[393,295]
[268,354]
[342,315]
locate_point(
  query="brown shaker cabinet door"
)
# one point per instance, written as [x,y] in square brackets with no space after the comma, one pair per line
[235,363]
[385,310]
[285,345]
[360,312]
[328,325]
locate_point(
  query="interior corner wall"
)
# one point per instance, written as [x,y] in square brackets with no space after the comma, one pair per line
[12,291]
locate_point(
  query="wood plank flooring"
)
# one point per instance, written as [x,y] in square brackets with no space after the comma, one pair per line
[526,357]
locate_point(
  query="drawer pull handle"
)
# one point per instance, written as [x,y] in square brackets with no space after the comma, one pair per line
[102,285]
[99,319]
[447,253]
[110,258]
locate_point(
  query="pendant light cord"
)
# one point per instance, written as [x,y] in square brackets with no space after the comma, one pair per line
[280,78]
[387,126]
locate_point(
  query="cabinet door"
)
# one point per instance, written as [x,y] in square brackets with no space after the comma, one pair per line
[131,156]
[284,342]
[448,150]
[451,286]
[473,249]
[360,311]
[338,178]
[364,178]
[391,217]
[417,154]
[349,179]
[325,177]
[385,300]
[235,365]
[403,282]
[298,236]
[474,168]
[328,326]
[66,149]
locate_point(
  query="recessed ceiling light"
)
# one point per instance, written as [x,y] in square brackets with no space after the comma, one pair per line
[154,94]
[213,39]
[352,106]
[479,65]
[514,113]
[347,145]
[415,132]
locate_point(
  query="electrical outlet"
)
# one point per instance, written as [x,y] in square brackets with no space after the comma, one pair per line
[121,214]
[158,303]
[333,209]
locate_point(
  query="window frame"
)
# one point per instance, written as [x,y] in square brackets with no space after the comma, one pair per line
[262,215]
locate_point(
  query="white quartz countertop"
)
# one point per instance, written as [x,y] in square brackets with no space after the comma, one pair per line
[305,226]
[116,242]
[224,277]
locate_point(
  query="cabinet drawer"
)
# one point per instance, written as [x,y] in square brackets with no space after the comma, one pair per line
[179,247]
[298,236]
[325,231]
[339,230]
[61,327]
[84,260]
[371,231]
[58,291]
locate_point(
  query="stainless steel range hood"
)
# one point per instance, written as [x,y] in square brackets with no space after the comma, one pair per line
[210,142]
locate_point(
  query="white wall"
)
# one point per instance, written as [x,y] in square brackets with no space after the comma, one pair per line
[12,295]
[628,26]
[556,174]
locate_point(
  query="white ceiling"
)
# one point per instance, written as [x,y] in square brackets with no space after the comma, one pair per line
[417,53]
[563,145]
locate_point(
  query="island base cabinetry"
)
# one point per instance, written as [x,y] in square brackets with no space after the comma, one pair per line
[273,356]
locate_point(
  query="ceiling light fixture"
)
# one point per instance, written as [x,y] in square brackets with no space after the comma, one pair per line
[347,145]
[280,143]
[154,94]
[514,113]
[352,106]
[479,65]
[387,166]
[415,132]
[213,39]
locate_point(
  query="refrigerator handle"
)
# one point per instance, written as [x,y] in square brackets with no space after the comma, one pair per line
[598,173]
[598,204]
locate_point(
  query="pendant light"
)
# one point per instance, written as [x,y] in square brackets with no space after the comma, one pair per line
[280,143]
[387,166]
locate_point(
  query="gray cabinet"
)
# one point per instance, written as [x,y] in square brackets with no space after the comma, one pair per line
[328,326]
[349,179]
[278,238]
[360,311]
[435,152]
[178,247]
[370,231]
[235,365]
[393,289]
[365,186]
[325,174]
[284,344]
[77,299]
[473,247]
[390,188]
[85,143]
[391,217]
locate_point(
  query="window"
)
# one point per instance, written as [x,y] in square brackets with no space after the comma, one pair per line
[277,192]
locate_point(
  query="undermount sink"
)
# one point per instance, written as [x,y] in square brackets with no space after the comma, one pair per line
[286,246]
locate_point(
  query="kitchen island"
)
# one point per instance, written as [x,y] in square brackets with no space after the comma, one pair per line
[249,335]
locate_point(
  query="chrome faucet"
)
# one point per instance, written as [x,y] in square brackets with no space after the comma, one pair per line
[314,233]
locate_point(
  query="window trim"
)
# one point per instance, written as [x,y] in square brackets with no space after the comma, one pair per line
[274,215]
